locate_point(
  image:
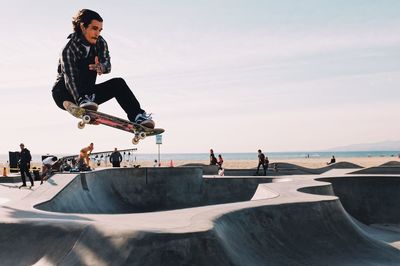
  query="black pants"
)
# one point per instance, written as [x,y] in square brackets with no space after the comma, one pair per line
[263,165]
[24,169]
[113,88]
[116,164]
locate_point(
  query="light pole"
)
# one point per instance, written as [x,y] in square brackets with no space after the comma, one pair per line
[159,142]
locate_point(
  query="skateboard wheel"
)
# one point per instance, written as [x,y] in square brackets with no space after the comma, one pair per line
[81,125]
[86,119]
[142,135]
[135,141]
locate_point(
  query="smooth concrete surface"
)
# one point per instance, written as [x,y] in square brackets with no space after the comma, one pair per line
[177,216]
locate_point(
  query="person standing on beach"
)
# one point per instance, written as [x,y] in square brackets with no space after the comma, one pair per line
[213,160]
[85,56]
[116,158]
[261,162]
[25,159]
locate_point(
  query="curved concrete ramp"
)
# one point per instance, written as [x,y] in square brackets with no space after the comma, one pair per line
[390,168]
[314,233]
[137,190]
[391,163]
[296,220]
[369,199]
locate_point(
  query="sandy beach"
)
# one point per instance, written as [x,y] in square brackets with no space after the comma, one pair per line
[305,162]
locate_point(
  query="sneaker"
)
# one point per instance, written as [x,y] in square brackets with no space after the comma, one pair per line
[87,102]
[145,120]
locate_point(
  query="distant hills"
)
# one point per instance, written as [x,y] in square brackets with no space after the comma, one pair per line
[377,146]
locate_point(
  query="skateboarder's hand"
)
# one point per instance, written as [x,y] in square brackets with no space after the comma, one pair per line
[96,66]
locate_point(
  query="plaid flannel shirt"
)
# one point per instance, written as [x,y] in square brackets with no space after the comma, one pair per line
[72,53]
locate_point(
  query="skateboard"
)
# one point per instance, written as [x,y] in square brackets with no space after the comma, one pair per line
[95,118]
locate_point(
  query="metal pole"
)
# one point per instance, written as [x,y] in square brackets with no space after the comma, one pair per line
[159,162]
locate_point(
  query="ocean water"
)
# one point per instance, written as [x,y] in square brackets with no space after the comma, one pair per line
[136,156]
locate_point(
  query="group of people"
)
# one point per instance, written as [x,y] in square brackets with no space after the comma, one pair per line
[24,164]
[83,159]
[262,161]
[25,158]
[214,160]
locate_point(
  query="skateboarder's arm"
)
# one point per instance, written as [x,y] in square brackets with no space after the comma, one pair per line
[69,67]
[104,56]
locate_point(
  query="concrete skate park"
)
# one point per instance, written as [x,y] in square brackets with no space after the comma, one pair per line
[336,215]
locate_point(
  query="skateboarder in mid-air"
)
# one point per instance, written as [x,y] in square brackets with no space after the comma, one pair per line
[84,57]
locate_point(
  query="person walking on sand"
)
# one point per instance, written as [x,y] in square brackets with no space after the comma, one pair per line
[213,160]
[116,158]
[85,56]
[47,165]
[85,152]
[25,159]
[261,162]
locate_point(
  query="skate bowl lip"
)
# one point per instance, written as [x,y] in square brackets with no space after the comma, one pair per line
[193,219]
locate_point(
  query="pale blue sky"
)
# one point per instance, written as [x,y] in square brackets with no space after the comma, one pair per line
[232,75]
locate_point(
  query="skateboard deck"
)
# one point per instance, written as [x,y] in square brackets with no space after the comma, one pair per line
[94,117]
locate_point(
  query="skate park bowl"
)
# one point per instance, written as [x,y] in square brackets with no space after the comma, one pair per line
[369,199]
[139,190]
[176,216]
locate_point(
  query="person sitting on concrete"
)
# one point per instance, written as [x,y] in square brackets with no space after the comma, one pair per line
[47,164]
[220,161]
[65,166]
[333,160]
[266,163]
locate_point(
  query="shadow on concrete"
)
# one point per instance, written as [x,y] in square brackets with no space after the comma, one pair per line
[23,214]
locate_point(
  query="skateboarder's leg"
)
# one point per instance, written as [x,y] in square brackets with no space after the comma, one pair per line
[118,89]
[30,177]
[43,174]
[23,177]
[61,96]
[258,168]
